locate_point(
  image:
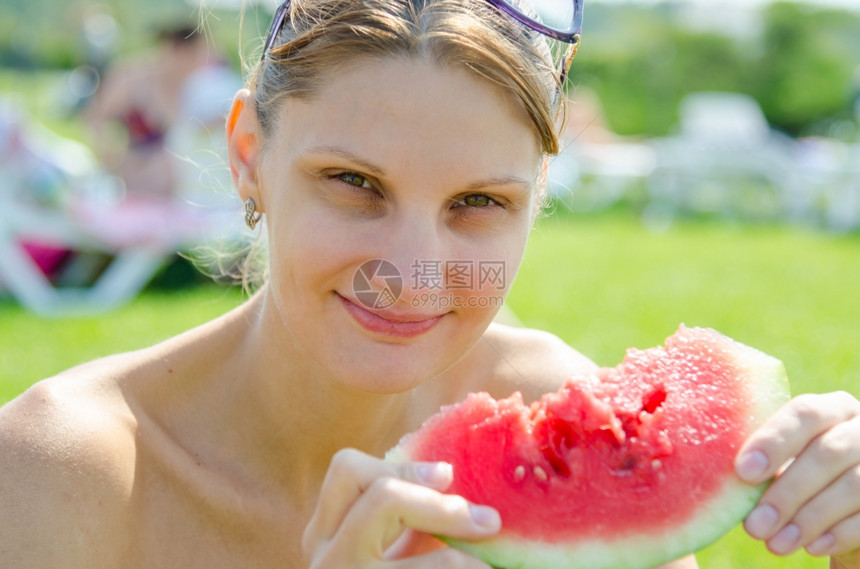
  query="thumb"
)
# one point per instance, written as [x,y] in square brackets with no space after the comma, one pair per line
[412,543]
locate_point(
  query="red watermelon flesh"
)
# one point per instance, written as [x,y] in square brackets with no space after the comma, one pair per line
[626,467]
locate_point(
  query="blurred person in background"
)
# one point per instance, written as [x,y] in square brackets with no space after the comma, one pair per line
[135,107]
[146,121]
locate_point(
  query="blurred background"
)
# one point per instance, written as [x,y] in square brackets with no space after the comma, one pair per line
[710,175]
[744,110]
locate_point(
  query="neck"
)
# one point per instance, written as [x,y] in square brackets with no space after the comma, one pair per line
[292,416]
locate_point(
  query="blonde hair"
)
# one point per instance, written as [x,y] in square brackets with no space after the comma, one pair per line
[320,36]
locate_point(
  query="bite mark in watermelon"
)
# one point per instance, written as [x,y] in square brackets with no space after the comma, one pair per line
[627,467]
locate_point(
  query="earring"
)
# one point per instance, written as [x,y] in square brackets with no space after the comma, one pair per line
[252,216]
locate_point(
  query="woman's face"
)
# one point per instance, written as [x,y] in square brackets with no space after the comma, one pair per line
[398,200]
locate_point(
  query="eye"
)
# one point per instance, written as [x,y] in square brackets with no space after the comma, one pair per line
[354,192]
[476,201]
[356,180]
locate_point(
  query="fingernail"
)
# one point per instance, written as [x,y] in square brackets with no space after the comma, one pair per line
[752,465]
[822,545]
[485,517]
[786,540]
[434,473]
[762,521]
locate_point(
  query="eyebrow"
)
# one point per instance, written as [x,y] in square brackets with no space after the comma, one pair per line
[374,169]
[379,171]
[500,181]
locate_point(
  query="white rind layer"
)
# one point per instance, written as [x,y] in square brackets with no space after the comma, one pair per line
[641,551]
[765,378]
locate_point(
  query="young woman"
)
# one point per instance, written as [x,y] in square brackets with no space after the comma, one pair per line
[374,134]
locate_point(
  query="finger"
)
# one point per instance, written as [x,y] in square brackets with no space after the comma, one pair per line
[837,502]
[841,540]
[813,480]
[390,505]
[412,543]
[789,431]
[833,518]
[446,557]
[350,474]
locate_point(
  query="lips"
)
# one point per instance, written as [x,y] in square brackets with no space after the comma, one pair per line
[395,325]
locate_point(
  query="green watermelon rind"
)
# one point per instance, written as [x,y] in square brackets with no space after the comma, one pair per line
[642,551]
[767,384]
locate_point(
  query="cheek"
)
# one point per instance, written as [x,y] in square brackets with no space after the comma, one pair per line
[497,275]
[485,270]
[313,250]
[303,246]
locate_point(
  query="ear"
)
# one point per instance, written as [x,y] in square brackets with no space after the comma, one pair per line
[243,145]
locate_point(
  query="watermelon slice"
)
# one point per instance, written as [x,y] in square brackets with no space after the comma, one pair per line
[626,467]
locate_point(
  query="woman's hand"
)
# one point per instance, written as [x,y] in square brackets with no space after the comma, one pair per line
[812,446]
[373,513]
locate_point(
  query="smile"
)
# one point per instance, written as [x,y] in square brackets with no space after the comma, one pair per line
[389,323]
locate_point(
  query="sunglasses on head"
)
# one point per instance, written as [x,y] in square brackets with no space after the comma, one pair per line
[557,19]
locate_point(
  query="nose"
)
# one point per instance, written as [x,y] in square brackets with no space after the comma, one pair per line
[416,249]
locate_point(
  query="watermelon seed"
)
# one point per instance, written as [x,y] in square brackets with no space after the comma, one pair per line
[656,464]
[628,463]
[519,473]
[541,474]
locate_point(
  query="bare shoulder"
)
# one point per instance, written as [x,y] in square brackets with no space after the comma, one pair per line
[66,469]
[531,361]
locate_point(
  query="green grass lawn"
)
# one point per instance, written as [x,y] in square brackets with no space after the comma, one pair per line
[33,348]
[39,93]
[603,284]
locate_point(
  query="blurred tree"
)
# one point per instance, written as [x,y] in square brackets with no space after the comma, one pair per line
[39,34]
[640,84]
[642,61]
[806,71]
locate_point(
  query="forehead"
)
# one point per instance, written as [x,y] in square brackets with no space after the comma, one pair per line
[414,113]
